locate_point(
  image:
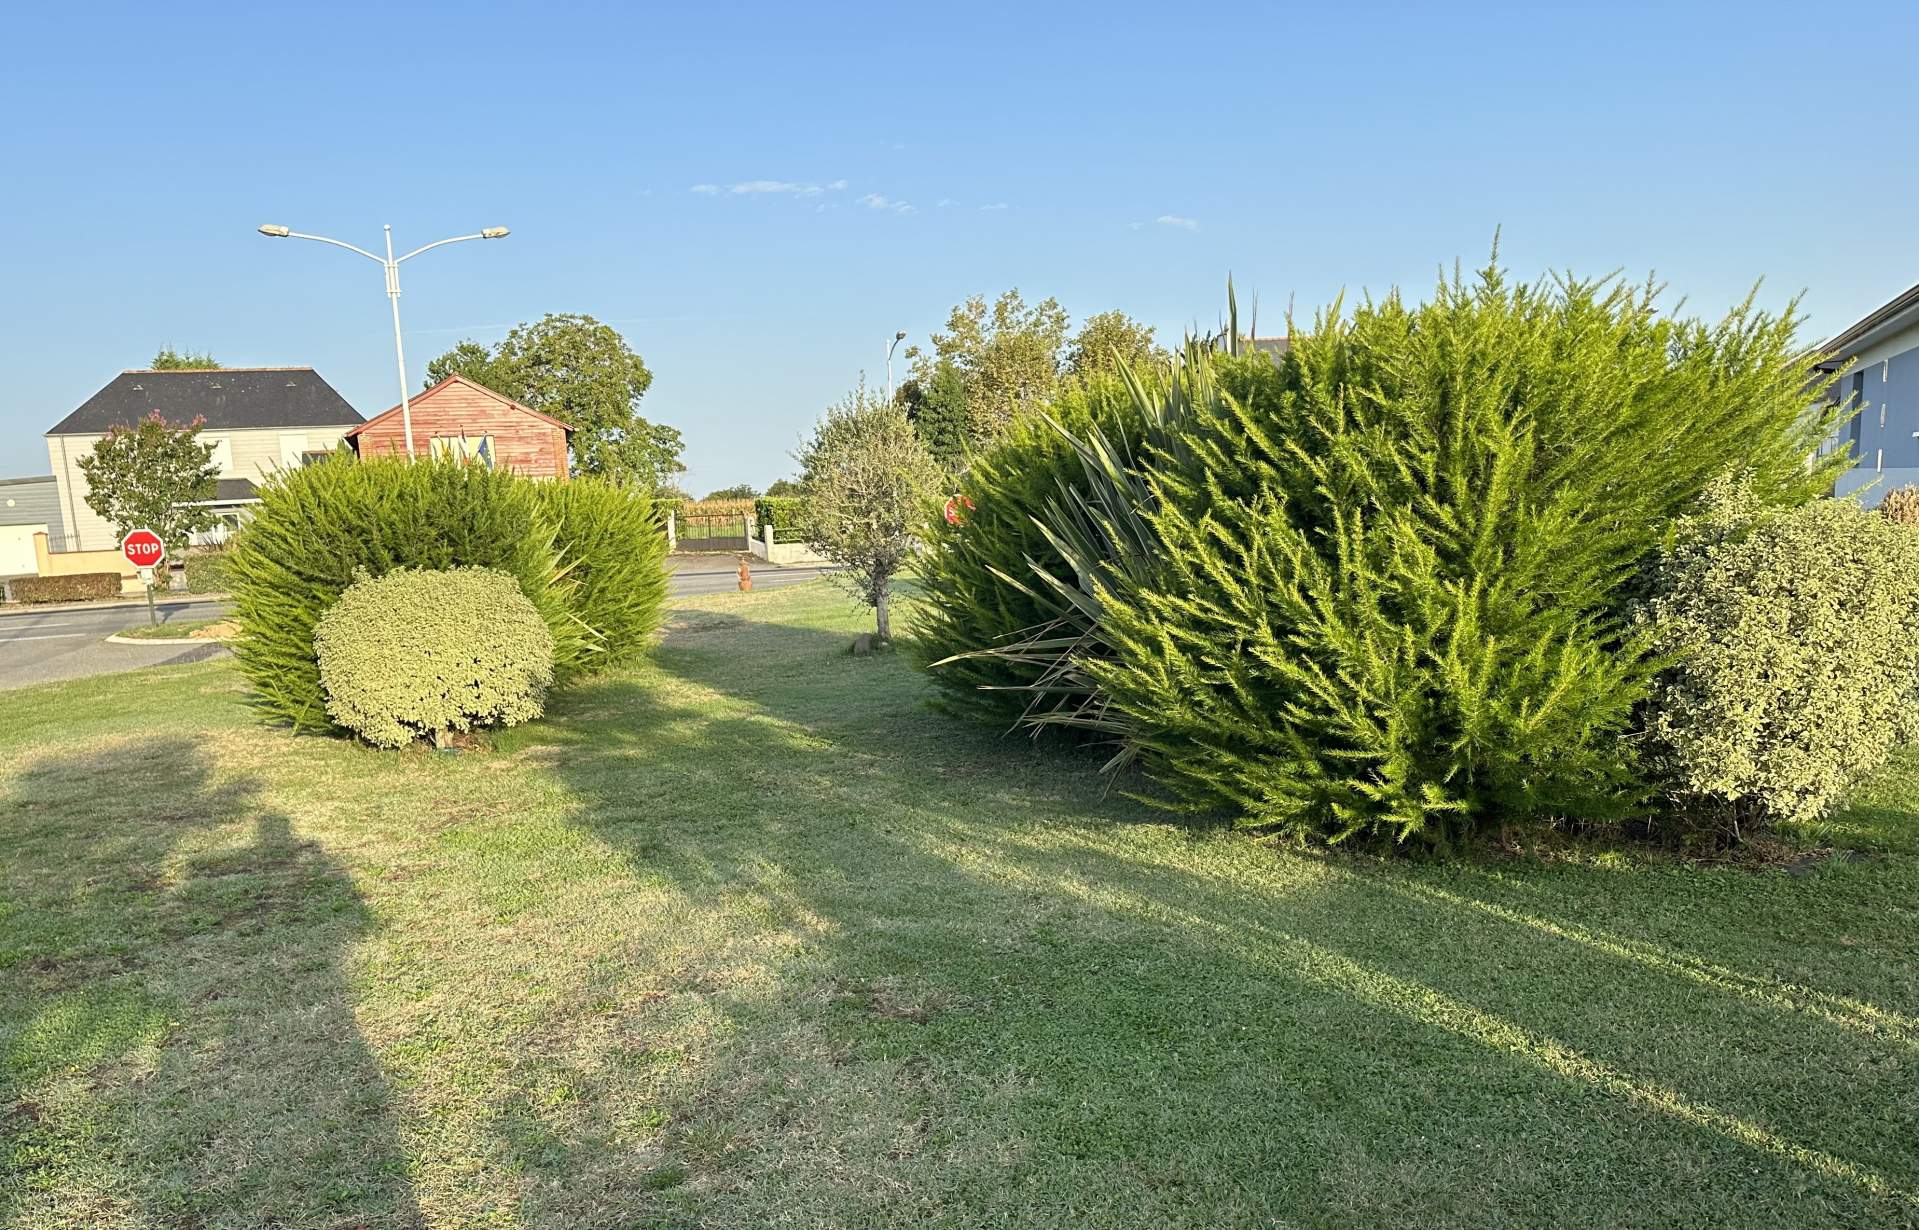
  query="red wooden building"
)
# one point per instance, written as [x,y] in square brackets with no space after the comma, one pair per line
[463,419]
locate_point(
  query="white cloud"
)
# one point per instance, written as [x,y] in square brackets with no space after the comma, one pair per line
[770,187]
[944,201]
[1184,224]
[990,208]
[874,200]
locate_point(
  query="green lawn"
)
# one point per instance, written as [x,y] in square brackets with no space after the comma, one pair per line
[750,937]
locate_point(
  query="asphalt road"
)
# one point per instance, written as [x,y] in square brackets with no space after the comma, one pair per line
[43,646]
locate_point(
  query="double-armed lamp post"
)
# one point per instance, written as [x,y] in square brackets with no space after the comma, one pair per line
[392,267]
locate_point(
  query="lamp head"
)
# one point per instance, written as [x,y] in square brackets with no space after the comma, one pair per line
[276,232]
[495,232]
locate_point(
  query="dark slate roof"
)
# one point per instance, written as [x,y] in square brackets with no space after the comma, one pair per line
[232,399]
[230,489]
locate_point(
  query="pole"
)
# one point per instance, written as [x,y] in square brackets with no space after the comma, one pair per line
[399,348]
[153,617]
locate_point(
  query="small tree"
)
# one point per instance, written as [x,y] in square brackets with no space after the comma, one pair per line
[868,477]
[738,491]
[170,360]
[1109,341]
[152,474]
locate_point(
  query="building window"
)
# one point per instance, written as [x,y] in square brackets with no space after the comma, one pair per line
[475,450]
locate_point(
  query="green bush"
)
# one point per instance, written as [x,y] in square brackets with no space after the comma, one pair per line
[78,587]
[320,528]
[1796,640]
[1390,590]
[978,572]
[612,546]
[785,513]
[206,571]
[417,654]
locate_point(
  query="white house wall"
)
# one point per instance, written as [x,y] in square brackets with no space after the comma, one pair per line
[253,454]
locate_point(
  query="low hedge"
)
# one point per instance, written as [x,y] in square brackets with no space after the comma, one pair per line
[782,512]
[207,573]
[79,587]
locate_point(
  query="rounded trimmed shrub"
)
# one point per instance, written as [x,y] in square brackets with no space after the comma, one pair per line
[612,549]
[1795,636]
[418,654]
[320,528]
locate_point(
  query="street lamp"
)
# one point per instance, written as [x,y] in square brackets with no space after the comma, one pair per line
[897,339]
[392,268]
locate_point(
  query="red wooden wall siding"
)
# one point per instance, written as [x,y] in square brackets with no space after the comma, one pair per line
[521,443]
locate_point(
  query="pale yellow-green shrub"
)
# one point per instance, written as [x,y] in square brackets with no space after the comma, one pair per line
[422,653]
[1795,635]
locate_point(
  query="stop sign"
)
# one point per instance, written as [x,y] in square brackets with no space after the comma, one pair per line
[143,549]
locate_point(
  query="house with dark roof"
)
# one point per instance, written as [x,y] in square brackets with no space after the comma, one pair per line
[464,420]
[258,419]
[1877,358]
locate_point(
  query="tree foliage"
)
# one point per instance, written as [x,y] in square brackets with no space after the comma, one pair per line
[738,491]
[1109,341]
[583,373]
[867,479]
[936,404]
[1007,356]
[170,360]
[785,488]
[152,475]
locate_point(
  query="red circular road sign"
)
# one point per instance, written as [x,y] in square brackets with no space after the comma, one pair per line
[143,549]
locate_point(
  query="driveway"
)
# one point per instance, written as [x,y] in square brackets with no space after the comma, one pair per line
[40,646]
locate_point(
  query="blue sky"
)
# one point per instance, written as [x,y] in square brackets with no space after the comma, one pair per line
[907,156]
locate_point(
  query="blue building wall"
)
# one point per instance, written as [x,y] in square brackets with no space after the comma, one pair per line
[1886,455]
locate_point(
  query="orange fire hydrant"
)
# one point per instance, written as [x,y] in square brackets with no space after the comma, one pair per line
[746,577]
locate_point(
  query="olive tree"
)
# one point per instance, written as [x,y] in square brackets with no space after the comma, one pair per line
[868,478]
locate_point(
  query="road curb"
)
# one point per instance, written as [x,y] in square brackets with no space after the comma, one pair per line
[185,641]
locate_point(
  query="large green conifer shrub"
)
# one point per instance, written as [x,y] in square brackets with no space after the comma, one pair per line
[320,528]
[612,546]
[1393,594]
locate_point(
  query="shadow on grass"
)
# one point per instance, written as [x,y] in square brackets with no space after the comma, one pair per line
[998,995]
[177,1038]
